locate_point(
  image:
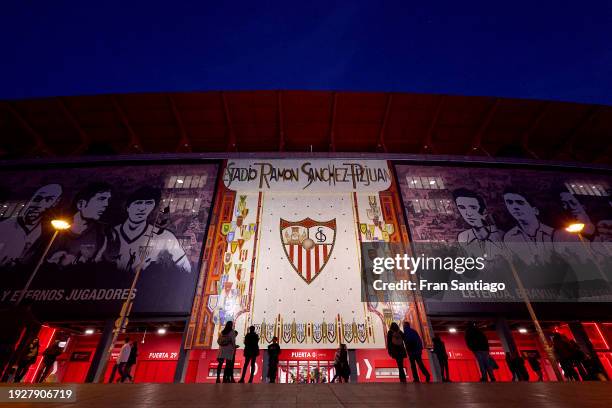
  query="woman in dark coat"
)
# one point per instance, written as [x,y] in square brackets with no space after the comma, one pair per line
[341,364]
[131,362]
[227,352]
[251,351]
[396,348]
[27,360]
[439,349]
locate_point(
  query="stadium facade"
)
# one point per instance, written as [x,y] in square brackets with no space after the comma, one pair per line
[255,207]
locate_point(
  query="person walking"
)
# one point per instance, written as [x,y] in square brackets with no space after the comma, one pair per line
[341,364]
[511,362]
[439,349]
[578,359]
[49,357]
[478,344]
[127,371]
[27,360]
[122,359]
[414,346]
[251,351]
[230,367]
[113,373]
[227,351]
[565,355]
[534,362]
[345,368]
[519,366]
[273,354]
[396,349]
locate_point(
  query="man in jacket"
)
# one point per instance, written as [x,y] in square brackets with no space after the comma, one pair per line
[27,360]
[251,351]
[122,359]
[49,357]
[414,346]
[130,362]
[478,344]
[273,353]
[396,349]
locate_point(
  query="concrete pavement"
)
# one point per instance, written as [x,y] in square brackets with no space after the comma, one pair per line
[455,395]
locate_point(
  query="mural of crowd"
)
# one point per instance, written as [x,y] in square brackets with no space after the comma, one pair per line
[120,219]
[521,212]
[88,239]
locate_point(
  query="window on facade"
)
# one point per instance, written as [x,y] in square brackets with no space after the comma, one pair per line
[586,188]
[183,204]
[11,209]
[440,206]
[425,183]
[191,181]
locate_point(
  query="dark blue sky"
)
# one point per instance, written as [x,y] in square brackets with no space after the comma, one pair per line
[529,49]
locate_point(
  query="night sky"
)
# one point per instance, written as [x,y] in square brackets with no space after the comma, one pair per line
[558,50]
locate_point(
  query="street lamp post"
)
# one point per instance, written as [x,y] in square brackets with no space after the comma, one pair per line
[577,228]
[547,347]
[58,225]
[123,319]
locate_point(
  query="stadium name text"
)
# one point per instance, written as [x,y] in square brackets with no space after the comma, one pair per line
[266,173]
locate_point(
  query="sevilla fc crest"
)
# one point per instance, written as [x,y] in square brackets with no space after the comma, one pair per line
[308,245]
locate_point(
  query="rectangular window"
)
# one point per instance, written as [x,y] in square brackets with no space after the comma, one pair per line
[586,188]
[409,182]
[203,179]
[432,183]
[425,182]
[171,182]
[11,209]
[196,205]
[180,181]
[187,182]
[172,205]
[195,180]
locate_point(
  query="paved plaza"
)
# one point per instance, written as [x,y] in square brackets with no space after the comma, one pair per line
[473,395]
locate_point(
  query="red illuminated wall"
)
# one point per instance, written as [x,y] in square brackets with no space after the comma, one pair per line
[45,337]
[462,364]
[202,361]
[157,358]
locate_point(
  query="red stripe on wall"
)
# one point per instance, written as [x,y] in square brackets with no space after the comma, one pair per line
[308,256]
[299,262]
[291,255]
[317,249]
[325,255]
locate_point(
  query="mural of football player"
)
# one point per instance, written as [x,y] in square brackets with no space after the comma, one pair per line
[530,239]
[577,213]
[602,243]
[18,235]
[87,239]
[599,235]
[482,237]
[135,231]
